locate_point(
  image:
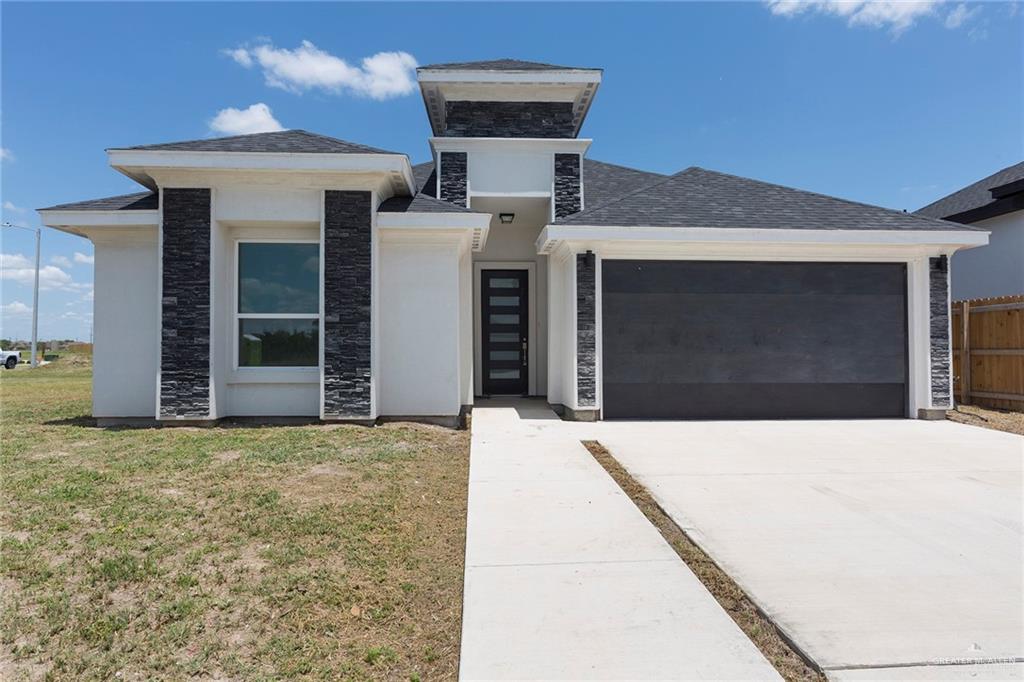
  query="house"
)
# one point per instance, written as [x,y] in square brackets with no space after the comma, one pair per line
[996,204]
[291,274]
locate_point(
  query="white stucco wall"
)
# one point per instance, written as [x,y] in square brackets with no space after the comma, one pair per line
[996,269]
[510,172]
[125,322]
[420,292]
[466,328]
[557,330]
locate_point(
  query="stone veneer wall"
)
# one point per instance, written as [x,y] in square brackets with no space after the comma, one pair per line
[508,119]
[348,277]
[453,182]
[568,190]
[938,290]
[185,305]
[586,331]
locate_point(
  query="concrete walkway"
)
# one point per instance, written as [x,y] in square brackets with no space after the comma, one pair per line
[566,578]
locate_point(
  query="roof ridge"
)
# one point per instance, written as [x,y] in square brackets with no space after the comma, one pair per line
[619,165]
[832,198]
[504,63]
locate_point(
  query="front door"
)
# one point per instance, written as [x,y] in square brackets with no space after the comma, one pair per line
[504,325]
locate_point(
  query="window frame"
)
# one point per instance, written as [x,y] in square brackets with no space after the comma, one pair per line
[237,316]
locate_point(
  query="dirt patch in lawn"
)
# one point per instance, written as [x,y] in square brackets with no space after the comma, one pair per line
[263,552]
[769,639]
[998,420]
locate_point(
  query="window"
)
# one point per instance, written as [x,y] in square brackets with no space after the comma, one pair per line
[278,304]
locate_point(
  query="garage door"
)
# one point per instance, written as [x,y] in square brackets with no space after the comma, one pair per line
[741,340]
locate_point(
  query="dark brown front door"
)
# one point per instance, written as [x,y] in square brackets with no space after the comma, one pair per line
[504,324]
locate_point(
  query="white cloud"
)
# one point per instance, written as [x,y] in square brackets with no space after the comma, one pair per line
[240,55]
[307,67]
[896,15]
[17,308]
[13,260]
[256,119]
[6,154]
[16,268]
[62,261]
[82,258]
[960,14]
[9,206]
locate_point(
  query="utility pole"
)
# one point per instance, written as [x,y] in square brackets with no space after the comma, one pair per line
[35,305]
[35,292]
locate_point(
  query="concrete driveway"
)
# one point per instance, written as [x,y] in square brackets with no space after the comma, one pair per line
[878,546]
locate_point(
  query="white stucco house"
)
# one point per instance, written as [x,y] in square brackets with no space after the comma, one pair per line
[995,204]
[291,274]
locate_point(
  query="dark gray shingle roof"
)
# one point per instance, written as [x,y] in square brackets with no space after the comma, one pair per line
[973,196]
[285,141]
[503,65]
[139,201]
[697,197]
[421,203]
[603,182]
[423,174]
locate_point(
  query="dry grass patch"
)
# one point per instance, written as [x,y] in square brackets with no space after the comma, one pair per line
[736,603]
[999,420]
[245,553]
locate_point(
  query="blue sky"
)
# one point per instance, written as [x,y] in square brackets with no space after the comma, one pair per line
[891,103]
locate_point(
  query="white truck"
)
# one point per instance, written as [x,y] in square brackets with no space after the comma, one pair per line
[9,358]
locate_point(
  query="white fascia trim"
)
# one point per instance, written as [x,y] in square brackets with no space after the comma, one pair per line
[524,76]
[473,226]
[133,161]
[67,219]
[444,221]
[510,144]
[551,235]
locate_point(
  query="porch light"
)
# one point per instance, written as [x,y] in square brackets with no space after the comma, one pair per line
[506,218]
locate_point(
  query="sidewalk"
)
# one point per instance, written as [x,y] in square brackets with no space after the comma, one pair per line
[565,577]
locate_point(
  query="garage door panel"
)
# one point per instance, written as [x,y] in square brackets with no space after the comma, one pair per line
[741,277]
[753,401]
[728,334]
[674,347]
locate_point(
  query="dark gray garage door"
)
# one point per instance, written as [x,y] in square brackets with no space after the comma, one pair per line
[738,340]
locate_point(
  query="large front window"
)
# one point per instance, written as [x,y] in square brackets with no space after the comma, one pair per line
[278,304]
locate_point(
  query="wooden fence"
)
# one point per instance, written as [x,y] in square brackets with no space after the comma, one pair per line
[989,333]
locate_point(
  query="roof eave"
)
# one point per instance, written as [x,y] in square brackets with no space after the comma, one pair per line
[471,229]
[137,163]
[1007,204]
[936,240]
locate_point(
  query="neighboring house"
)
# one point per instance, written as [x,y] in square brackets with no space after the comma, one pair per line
[995,204]
[294,274]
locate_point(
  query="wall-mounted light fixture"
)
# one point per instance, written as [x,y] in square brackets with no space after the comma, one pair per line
[506,218]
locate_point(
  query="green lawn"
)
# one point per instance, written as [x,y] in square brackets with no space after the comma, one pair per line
[245,552]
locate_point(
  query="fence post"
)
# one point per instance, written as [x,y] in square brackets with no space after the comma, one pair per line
[965,355]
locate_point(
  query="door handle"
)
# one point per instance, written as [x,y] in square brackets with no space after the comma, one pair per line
[524,354]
